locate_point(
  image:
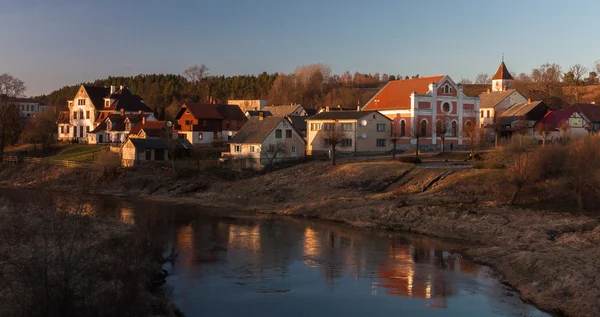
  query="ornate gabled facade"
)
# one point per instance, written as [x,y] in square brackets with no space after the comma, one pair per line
[92,105]
[424,107]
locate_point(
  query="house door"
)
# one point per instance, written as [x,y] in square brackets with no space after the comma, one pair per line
[100,138]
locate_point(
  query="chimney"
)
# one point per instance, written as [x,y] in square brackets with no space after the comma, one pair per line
[326,108]
[113,88]
[144,120]
[528,100]
[122,111]
[357,108]
[261,115]
[503,88]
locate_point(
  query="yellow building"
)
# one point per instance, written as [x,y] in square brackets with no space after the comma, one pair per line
[360,132]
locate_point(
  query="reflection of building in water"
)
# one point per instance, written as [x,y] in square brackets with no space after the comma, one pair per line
[312,246]
[245,237]
[420,272]
[185,238]
[127,215]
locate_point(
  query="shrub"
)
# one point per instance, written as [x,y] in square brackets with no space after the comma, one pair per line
[410,159]
[550,161]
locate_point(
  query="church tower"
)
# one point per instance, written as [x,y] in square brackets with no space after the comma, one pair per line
[502,80]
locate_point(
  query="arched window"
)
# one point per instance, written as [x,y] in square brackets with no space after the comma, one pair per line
[454,129]
[424,127]
[438,127]
[402,128]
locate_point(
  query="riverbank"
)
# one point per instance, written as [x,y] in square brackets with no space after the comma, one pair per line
[549,256]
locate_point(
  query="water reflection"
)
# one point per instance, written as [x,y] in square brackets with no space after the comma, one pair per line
[231,266]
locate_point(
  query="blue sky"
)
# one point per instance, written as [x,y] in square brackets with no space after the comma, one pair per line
[53,43]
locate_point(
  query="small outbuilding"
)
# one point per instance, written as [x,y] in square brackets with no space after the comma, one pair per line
[136,151]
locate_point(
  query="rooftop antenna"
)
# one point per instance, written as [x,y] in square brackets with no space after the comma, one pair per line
[502,57]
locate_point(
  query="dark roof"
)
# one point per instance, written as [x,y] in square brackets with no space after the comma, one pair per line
[63,117]
[590,111]
[502,73]
[299,122]
[521,109]
[231,112]
[311,112]
[127,101]
[118,121]
[256,113]
[492,98]
[256,130]
[554,119]
[159,143]
[341,115]
[96,94]
[200,110]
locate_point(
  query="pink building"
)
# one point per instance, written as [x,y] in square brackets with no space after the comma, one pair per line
[430,105]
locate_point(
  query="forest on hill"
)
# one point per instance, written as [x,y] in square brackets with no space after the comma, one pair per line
[311,85]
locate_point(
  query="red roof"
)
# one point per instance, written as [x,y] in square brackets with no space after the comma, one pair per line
[149,125]
[554,119]
[502,73]
[590,111]
[395,94]
[201,110]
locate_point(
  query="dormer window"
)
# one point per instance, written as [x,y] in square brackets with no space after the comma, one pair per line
[81,102]
[108,125]
[107,103]
[127,125]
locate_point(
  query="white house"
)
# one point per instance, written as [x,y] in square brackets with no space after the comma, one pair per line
[286,110]
[263,141]
[246,105]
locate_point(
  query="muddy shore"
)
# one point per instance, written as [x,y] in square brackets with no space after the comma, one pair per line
[551,257]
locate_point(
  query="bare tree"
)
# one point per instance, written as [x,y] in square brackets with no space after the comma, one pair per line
[579,71]
[334,134]
[543,130]
[597,66]
[466,81]
[417,132]
[197,74]
[10,87]
[497,127]
[547,79]
[442,128]
[519,174]
[522,129]
[483,78]
[583,168]
[472,133]
[273,151]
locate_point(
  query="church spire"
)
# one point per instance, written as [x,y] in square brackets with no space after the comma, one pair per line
[502,80]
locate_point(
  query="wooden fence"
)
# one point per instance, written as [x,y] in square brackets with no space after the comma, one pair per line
[36,160]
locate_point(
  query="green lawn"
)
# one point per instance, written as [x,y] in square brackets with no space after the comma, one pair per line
[79,152]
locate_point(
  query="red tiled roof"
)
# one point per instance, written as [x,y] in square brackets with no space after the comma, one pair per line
[395,95]
[502,73]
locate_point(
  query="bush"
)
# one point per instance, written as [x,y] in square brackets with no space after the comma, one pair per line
[410,159]
[550,161]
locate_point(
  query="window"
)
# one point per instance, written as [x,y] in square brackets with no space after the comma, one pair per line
[454,129]
[482,113]
[68,129]
[424,128]
[288,134]
[188,122]
[80,114]
[237,148]
[438,127]
[402,128]
[271,148]
[315,126]
[380,127]
[326,142]
[108,125]
[128,126]
[75,115]
[227,125]
[446,107]
[203,124]
[251,148]
[293,149]
[81,102]
[278,134]
[87,114]
[447,89]
[106,103]
[380,142]
[488,113]
[87,129]
[346,142]
[200,136]
[62,130]
[81,131]
[347,126]
[328,126]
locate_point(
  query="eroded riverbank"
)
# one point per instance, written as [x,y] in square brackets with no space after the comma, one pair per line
[550,257]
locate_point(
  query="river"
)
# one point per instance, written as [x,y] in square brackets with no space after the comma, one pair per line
[232,264]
